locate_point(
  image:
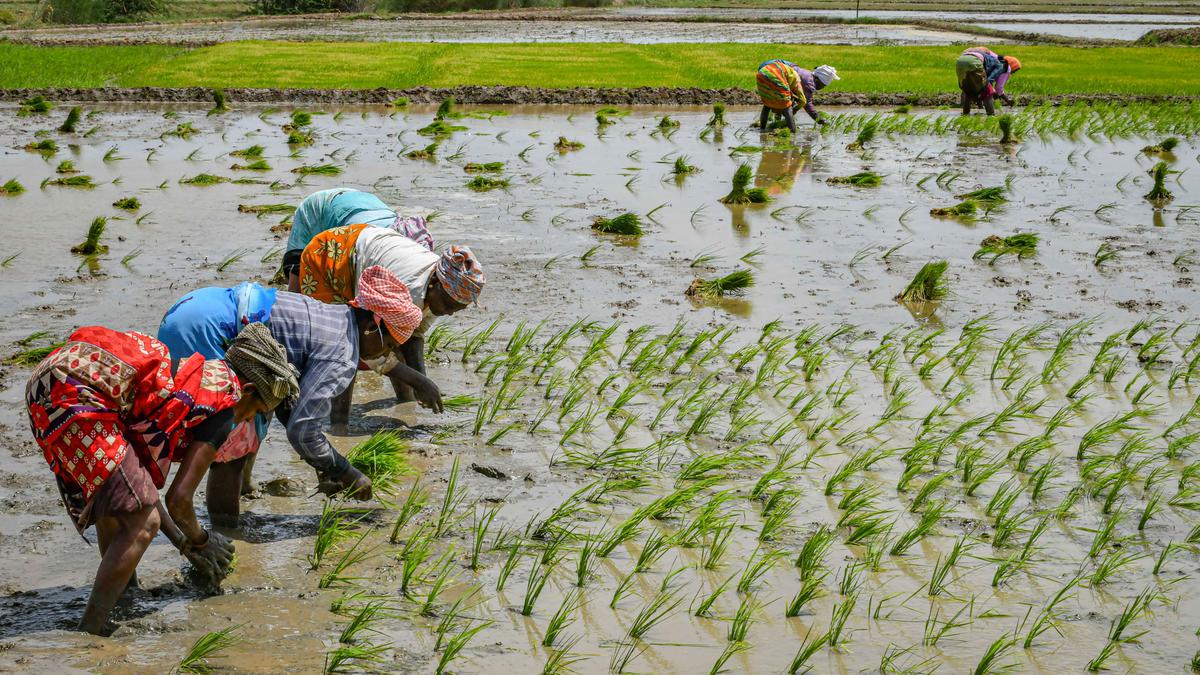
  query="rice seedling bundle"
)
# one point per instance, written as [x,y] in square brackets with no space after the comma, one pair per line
[565,145]
[485,183]
[256,165]
[299,137]
[83,182]
[734,283]
[1159,194]
[11,188]
[220,102]
[446,110]
[741,193]
[987,195]
[629,224]
[1164,146]
[440,129]
[383,458]
[865,135]
[667,123]
[251,152]
[46,146]
[66,167]
[928,285]
[488,167]
[127,204]
[203,179]
[35,105]
[184,130]
[1021,244]
[427,152]
[1006,130]
[682,168]
[91,244]
[318,170]
[68,125]
[861,179]
[717,120]
[963,209]
[266,209]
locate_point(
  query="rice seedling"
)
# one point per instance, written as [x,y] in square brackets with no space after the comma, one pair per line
[335,525]
[928,285]
[1159,194]
[485,184]
[452,500]
[11,188]
[355,658]
[993,660]
[1166,145]
[731,650]
[562,617]
[487,167]
[299,137]
[72,119]
[184,131]
[250,152]
[91,243]
[757,567]
[382,458]
[734,283]
[203,179]
[127,204]
[256,165]
[681,167]
[740,194]
[1005,122]
[262,210]
[34,105]
[628,224]
[45,146]
[963,209]
[809,646]
[456,644]
[1140,605]
[563,145]
[860,179]
[667,123]
[717,120]
[660,607]
[866,134]
[220,102]
[196,660]
[318,170]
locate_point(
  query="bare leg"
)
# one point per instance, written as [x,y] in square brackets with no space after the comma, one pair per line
[790,119]
[965,101]
[223,492]
[106,531]
[247,473]
[132,535]
[764,118]
[989,104]
[340,413]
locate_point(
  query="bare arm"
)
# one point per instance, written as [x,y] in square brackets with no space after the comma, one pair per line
[413,352]
[424,388]
[179,496]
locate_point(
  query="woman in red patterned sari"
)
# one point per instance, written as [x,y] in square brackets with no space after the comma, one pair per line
[112,411]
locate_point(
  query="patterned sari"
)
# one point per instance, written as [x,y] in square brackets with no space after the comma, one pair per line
[779,86]
[327,265]
[105,392]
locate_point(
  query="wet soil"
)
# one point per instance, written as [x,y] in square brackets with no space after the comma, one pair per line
[531,238]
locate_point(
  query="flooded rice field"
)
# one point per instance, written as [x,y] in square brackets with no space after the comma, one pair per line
[804,475]
[432,29]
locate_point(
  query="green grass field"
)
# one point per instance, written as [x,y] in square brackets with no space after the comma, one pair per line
[873,69]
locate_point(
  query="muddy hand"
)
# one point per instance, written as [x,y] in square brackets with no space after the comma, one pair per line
[353,482]
[427,394]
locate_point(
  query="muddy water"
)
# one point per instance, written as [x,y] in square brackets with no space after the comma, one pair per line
[530,238]
[487,30]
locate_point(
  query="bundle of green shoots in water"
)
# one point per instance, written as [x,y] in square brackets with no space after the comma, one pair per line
[484,184]
[1159,194]
[860,179]
[1022,244]
[383,458]
[928,285]
[1006,126]
[488,167]
[73,115]
[565,145]
[11,187]
[91,244]
[734,283]
[718,117]
[427,152]
[987,195]
[1164,146]
[964,209]
[740,194]
[629,224]
[865,135]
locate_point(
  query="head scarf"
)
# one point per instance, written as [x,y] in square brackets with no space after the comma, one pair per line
[1013,64]
[415,228]
[382,293]
[256,357]
[461,274]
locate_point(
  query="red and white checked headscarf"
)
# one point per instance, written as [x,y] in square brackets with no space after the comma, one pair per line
[382,293]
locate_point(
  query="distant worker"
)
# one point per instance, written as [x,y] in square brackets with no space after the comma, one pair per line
[982,75]
[785,88]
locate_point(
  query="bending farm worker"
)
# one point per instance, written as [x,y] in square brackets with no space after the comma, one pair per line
[323,342]
[785,88]
[982,75]
[331,270]
[337,207]
[112,411]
